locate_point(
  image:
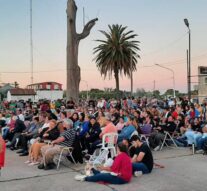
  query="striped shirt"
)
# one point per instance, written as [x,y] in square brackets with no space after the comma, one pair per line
[69,136]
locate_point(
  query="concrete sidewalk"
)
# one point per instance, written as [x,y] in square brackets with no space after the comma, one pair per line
[182,172]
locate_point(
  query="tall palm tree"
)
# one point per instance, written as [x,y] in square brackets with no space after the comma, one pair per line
[117,54]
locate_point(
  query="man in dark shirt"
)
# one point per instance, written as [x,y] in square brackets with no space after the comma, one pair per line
[142,159]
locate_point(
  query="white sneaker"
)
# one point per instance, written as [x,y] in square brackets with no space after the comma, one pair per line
[80,177]
[27,162]
[138,173]
[157,148]
[113,174]
[33,163]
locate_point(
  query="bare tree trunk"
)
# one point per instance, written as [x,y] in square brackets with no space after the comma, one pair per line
[73,39]
[116,76]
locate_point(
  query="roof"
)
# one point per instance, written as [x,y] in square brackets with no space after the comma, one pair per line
[44,83]
[19,91]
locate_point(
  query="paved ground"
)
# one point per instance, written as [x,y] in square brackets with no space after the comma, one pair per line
[182,172]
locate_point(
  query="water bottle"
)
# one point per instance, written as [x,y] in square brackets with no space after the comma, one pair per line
[193,148]
[138,173]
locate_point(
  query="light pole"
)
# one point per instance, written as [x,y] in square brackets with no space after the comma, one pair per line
[87,88]
[172,77]
[189,60]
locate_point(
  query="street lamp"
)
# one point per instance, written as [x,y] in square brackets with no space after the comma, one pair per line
[172,78]
[189,60]
[87,88]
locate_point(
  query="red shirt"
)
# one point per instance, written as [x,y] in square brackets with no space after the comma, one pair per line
[2,152]
[175,115]
[123,167]
[192,114]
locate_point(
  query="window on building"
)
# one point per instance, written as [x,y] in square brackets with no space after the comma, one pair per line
[203,70]
[56,87]
[205,80]
[48,87]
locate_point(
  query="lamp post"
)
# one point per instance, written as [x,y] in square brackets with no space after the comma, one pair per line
[87,88]
[189,60]
[172,78]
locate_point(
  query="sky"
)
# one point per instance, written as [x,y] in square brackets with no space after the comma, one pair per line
[159,25]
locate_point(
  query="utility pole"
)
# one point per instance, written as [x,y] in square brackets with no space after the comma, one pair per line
[31,43]
[187,73]
[173,77]
[83,17]
[131,62]
[154,85]
[87,97]
[189,65]
[0,79]
[189,60]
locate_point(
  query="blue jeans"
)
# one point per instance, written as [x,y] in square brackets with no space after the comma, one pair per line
[201,142]
[5,131]
[105,177]
[139,166]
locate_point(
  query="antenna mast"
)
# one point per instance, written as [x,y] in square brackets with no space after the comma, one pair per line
[83,17]
[0,79]
[31,43]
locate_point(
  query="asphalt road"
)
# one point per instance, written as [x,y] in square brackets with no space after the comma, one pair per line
[182,172]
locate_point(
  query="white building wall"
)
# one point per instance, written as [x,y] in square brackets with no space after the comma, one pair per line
[8,96]
[21,97]
[49,95]
[202,85]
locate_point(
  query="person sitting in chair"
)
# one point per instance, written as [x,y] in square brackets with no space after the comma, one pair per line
[66,139]
[127,131]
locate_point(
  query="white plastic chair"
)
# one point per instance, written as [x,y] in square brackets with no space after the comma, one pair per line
[109,142]
[134,133]
[98,159]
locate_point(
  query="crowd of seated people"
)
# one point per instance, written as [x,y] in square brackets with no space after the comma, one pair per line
[40,131]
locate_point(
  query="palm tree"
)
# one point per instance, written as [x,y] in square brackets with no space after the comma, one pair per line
[117,54]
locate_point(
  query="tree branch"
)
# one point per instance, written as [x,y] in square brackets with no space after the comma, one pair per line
[87,28]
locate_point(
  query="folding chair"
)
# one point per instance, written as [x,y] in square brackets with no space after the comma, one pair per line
[146,131]
[109,141]
[167,137]
[145,138]
[69,153]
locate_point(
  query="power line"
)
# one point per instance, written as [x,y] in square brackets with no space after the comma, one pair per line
[167,46]
[179,61]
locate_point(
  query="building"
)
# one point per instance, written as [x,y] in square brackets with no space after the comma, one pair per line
[47,90]
[4,88]
[17,94]
[202,83]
